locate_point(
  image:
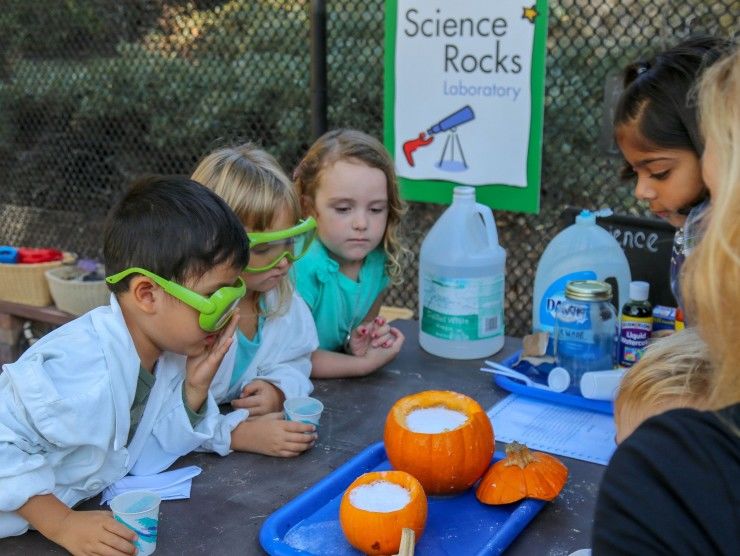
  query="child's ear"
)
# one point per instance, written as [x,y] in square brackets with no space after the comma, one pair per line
[307,206]
[143,292]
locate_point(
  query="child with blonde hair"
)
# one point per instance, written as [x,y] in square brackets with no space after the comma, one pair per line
[347,182]
[276,334]
[674,371]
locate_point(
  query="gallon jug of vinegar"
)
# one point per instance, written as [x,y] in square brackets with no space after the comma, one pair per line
[461,282]
[582,251]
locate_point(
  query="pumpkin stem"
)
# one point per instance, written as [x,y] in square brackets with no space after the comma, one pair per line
[518,454]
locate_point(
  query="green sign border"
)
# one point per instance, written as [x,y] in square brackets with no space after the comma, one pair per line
[498,196]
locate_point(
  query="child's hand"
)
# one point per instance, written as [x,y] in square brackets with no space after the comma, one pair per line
[259,397]
[379,356]
[273,436]
[94,532]
[201,368]
[372,334]
[382,335]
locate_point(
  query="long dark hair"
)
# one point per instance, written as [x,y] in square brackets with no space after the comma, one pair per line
[658,94]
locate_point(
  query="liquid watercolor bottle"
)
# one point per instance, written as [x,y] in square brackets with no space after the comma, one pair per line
[461,282]
[635,325]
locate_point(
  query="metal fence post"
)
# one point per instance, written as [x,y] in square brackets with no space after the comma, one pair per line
[318,68]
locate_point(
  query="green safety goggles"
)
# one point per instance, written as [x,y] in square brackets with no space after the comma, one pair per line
[215,310]
[267,249]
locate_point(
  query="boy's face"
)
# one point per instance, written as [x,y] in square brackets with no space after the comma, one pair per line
[176,325]
[669,180]
[351,210]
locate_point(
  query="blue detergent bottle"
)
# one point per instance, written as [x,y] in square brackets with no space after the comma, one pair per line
[582,251]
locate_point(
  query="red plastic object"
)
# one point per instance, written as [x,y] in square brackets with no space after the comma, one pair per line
[38,255]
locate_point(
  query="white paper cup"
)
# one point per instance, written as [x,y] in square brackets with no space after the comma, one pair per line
[139,511]
[305,410]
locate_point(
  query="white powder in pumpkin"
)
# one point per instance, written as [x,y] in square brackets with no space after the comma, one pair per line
[434,419]
[380,496]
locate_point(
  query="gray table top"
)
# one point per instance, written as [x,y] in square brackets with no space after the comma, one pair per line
[235,494]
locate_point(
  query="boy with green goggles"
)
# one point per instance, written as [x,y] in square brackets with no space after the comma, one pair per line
[129,383]
[215,310]
[267,249]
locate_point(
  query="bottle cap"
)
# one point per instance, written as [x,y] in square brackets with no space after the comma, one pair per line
[639,291]
[558,379]
[586,217]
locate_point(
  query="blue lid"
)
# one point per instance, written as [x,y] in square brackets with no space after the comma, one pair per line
[8,254]
[586,217]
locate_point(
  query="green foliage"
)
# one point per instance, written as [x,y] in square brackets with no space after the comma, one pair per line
[94,92]
[84,127]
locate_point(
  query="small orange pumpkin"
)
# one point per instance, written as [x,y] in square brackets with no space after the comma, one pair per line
[377,532]
[522,474]
[444,462]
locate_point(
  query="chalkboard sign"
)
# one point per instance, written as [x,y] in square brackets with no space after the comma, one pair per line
[647,243]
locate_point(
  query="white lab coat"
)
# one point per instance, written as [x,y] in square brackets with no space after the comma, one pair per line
[283,359]
[65,415]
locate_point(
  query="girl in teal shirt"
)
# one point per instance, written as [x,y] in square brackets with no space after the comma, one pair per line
[347,182]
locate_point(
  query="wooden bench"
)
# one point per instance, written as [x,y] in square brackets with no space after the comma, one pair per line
[12,317]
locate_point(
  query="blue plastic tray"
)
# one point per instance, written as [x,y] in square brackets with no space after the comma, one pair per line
[564,398]
[309,524]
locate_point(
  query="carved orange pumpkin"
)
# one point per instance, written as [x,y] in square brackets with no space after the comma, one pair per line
[447,461]
[522,474]
[379,532]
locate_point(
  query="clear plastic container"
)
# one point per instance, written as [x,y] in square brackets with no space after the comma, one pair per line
[461,282]
[586,329]
[582,251]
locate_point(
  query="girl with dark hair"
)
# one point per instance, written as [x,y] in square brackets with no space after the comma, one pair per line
[657,130]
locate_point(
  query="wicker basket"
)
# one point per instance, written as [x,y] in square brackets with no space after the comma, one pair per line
[75,296]
[26,283]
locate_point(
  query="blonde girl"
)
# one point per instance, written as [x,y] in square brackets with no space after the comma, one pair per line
[347,182]
[276,335]
[671,486]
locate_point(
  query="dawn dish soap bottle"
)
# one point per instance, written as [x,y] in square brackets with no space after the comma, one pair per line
[582,251]
[461,282]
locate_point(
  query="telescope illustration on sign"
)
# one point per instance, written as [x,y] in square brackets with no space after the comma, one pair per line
[448,125]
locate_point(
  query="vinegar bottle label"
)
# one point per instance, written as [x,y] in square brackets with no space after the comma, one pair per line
[462,308]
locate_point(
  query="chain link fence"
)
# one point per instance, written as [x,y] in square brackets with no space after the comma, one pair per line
[94,93]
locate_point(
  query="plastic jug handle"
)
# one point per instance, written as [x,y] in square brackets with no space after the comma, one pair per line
[487,216]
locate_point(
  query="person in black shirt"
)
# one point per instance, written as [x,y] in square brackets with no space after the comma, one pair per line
[673,486]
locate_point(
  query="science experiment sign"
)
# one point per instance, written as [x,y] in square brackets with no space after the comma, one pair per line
[464,98]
